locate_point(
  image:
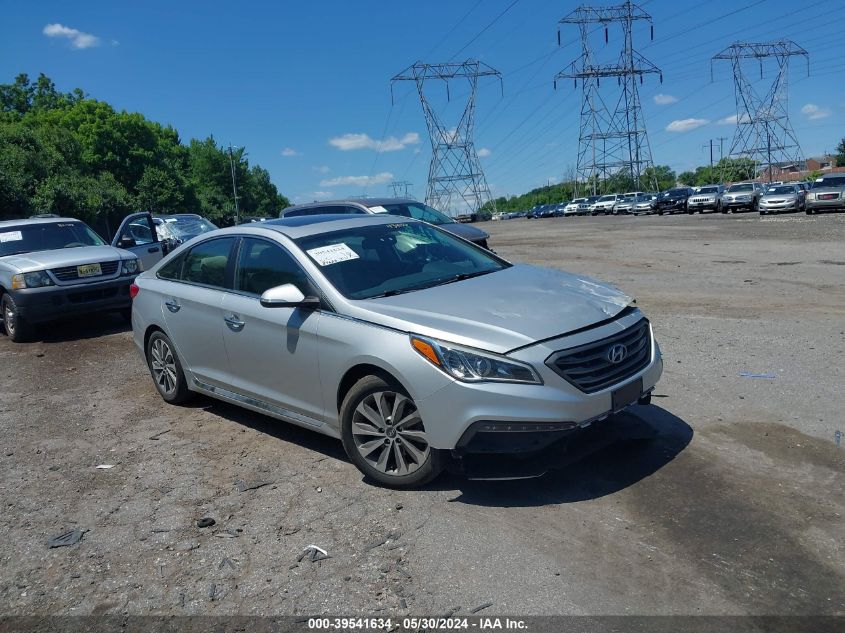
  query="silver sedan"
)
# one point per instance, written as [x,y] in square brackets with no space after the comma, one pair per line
[417,349]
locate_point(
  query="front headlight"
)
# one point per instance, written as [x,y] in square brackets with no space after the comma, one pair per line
[468,365]
[37,279]
[130,267]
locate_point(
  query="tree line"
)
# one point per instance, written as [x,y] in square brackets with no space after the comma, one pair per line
[70,154]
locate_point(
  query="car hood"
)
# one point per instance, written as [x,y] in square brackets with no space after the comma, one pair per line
[499,311]
[466,231]
[40,260]
[778,196]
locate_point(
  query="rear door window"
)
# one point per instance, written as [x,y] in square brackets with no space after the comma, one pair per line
[207,262]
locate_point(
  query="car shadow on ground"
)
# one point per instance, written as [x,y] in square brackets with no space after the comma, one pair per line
[636,444]
[619,452]
[80,328]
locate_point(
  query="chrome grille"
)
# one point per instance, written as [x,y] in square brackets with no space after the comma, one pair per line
[69,273]
[588,367]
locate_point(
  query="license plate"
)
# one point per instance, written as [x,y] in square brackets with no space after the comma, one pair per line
[89,270]
[629,394]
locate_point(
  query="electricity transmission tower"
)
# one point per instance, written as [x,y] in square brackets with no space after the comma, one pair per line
[612,139]
[456,182]
[401,188]
[763,131]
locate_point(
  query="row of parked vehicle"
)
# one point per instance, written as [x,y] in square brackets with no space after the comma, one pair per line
[823,194]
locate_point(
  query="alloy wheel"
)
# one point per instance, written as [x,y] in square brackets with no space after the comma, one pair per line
[163,365]
[388,432]
[9,318]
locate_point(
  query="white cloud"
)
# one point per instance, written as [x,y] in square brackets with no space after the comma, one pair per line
[347,142]
[321,169]
[358,181]
[734,119]
[662,99]
[484,152]
[77,38]
[289,151]
[685,125]
[813,112]
[322,194]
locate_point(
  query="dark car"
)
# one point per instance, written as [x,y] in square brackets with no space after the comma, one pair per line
[673,200]
[407,207]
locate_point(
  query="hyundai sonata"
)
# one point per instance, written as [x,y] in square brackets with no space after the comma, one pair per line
[414,347]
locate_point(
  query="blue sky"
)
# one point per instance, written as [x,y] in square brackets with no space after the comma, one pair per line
[304,86]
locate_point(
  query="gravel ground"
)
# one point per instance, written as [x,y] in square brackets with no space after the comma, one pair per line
[733,507]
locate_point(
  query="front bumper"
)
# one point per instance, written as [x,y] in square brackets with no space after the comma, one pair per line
[455,415]
[732,205]
[38,305]
[825,205]
[671,206]
[702,206]
[792,205]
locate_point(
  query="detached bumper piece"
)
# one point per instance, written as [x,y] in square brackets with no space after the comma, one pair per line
[505,450]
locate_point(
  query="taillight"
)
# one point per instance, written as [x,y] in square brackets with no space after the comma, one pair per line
[133,290]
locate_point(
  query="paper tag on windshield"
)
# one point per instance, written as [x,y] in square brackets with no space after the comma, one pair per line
[11,236]
[328,255]
[378,209]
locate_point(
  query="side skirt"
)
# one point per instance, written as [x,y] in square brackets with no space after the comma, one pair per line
[259,406]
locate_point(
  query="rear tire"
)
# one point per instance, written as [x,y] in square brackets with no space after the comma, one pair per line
[16,327]
[394,453]
[166,369]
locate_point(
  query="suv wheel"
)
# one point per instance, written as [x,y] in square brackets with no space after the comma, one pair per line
[17,329]
[384,435]
[166,369]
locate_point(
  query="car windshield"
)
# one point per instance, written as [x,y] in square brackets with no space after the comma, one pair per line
[709,190]
[607,198]
[388,259]
[46,236]
[186,228]
[783,189]
[829,182]
[674,192]
[744,187]
[415,210]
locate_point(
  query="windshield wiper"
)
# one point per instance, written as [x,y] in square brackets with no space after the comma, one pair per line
[463,276]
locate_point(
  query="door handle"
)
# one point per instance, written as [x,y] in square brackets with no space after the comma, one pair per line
[234,323]
[173,306]
[154,249]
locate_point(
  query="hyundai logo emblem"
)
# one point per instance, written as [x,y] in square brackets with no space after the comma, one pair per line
[617,353]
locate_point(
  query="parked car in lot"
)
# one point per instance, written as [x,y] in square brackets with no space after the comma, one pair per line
[741,196]
[591,200]
[54,267]
[644,204]
[577,207]
[673,201]
[178,228]
[826,194]
[782,198]
[405,207]
[625,203]
[604,205]
[415,348]
[705,198]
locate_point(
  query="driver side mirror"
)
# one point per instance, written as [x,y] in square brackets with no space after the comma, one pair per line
[126,242]
[288,296]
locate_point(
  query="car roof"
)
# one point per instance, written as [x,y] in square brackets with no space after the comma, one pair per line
[4,223]
[163,216]
[364,202]
[306,225]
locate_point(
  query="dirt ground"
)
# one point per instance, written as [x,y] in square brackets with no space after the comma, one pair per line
[735,506]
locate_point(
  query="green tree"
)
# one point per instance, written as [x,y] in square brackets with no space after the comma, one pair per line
[661,176]
[840,153]
[687,178]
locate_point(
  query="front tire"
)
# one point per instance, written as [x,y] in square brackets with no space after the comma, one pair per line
[384,435]
[166,369]
[16,327]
